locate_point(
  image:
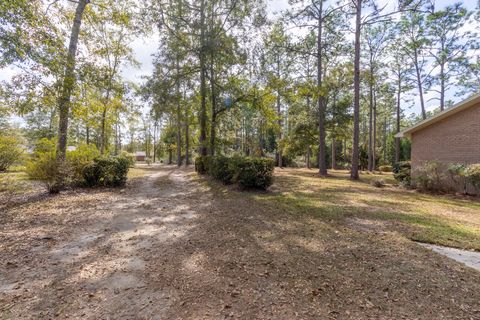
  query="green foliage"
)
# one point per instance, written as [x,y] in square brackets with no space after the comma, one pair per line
[472,173]
[223,168]
[288,162]
[403,172]
[457,173]
[44,145]
[77,160]
[44,167]
[130,157]
[10,152]
[107,172]
[91,175]
[430,177]
[202,164]
[255,172]
[385,168]
[248,172]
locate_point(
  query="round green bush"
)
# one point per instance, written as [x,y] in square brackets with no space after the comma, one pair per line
[248,172]
[45,168]
[107,172]
[79,158]
[255,172]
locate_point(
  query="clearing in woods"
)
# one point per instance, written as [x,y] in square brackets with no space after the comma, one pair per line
[173,245]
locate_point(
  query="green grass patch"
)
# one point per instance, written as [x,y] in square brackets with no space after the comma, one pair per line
[436,219]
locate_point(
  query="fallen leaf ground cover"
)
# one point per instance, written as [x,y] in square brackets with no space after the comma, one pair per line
[447,220]
[174,245]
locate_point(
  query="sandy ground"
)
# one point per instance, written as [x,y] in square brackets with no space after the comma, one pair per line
[175,246]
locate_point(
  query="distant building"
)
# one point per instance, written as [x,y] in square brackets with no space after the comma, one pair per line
[140,156]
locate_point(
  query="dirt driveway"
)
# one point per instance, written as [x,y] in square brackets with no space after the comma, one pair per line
[175,246]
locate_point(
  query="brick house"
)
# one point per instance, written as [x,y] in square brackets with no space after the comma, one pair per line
[452,136]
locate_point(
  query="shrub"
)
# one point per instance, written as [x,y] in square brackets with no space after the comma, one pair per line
[44,167]
[44,145]
[429,177]
[378,183]
[202,164]
[288,162]
[130,157]
[472,173]
[91,175]
[255,172]
[385,168]
[223,168]
[106,171]
[78,159]
[457,173]
[10,152]
[403,172]
[246,171]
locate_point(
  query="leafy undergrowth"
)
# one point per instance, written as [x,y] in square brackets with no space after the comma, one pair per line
[439,219]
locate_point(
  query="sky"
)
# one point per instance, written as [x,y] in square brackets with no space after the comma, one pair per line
[146,46]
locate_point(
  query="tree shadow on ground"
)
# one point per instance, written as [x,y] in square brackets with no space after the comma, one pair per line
[206,251]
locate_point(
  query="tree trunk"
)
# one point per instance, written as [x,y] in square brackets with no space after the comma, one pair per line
[370,123]
[334,154]
[384,141]
[87,138]
[309,152]
[420,86]
[179,123]
[322,158]
[103,137]
[442,86]
[261,140]
[356,106]
[213,134]
[187,141]
[155,125]
[279,155]
[68,83]
[117,138]
[203,85]
[397,140]
[374,138]
[213,124]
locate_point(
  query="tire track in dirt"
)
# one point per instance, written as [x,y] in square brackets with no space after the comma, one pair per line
[102,268]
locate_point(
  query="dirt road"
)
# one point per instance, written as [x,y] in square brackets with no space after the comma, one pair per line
[174,246]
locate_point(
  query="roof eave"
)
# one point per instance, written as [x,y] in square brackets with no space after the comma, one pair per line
[467,103]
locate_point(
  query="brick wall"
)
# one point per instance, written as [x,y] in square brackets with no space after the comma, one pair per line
[455,139]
